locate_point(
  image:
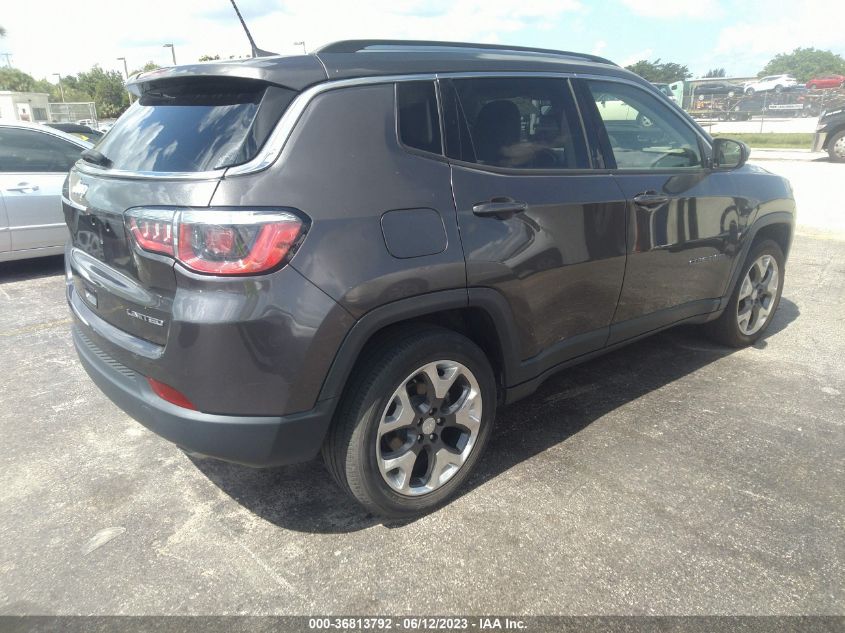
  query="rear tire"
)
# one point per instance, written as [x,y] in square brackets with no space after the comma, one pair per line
[413,421]
[754,299]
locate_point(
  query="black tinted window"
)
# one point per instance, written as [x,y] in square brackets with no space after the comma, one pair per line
[31,151]
[525,123]
[195,126]
[419,123]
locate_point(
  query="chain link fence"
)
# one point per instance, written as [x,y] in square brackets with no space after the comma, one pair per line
[73,112]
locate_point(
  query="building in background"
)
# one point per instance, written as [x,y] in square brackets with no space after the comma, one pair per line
[24,106]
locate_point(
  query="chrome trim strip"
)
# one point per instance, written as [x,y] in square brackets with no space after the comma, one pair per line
[27,227]
[93,170]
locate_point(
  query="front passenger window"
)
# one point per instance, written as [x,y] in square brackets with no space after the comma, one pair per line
[643,132]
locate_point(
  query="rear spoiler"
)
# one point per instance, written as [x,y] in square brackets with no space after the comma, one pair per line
[296,72]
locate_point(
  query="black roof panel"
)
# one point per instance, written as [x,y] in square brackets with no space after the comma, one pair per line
[370,58]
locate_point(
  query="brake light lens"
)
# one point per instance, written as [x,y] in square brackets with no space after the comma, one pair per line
[154,231]
[218,241]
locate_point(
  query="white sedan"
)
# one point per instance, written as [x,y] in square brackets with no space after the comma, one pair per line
[34,161]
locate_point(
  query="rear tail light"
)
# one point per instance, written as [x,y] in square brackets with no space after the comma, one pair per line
[154,230]
[218,241]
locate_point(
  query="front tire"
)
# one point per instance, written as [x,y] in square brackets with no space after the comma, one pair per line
[836,147]
[755,298]
[413,422]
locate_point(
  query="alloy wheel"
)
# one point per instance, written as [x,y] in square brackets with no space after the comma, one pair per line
[757,295]
[428,428]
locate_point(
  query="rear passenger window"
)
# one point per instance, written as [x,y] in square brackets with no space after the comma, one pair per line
[31,151]
[419,122]
[515,122]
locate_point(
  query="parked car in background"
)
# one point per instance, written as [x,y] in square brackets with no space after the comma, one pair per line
[718,88]
[771,82]
[667,90]
[249,294]
[82,131]
[826,81]
[34,161]
[830,134]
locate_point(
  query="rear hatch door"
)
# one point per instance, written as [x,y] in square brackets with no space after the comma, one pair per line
[168,151]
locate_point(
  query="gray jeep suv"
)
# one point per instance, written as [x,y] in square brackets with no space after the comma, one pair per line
[364,251]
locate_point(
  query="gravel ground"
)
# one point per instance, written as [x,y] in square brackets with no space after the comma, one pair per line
[671,477]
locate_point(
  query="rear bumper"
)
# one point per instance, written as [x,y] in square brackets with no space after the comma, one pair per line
[257,441]
[818,141]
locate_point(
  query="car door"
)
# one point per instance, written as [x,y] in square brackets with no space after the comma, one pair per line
[5,240]
[684,224]
[537,224]
[33,166]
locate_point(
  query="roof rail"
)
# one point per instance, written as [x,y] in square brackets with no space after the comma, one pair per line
[356,46]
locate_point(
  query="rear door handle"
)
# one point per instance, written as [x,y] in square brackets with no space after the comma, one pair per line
[651,199]
[501,208]
[24,187]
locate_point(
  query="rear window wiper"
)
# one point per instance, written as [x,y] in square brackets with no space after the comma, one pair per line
[96,158]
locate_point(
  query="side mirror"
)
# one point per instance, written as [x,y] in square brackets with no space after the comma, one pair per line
[729,154]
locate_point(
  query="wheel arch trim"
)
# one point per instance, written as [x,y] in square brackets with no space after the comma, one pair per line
[786,218]
[486,299]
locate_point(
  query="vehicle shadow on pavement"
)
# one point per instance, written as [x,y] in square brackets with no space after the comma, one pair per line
[27,269]
[304,497]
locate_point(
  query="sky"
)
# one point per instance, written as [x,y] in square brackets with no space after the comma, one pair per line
[740,36]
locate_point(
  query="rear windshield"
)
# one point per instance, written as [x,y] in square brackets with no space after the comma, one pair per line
[195,126]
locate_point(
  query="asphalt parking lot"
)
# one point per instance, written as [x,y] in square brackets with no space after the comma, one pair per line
[672,477]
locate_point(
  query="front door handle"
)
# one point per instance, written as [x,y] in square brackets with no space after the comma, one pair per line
[501,208]
[651,199]
[24,187]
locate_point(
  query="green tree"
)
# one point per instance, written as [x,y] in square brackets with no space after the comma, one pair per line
[660,72]
[106,89]
[16,80]
[715,72]
[145,68]
[805,63]
[209,58]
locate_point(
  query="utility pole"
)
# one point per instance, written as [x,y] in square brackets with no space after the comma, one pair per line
[172,51]
[302,44]
[8,57]
[61,89]
[126,75]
